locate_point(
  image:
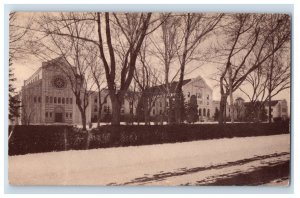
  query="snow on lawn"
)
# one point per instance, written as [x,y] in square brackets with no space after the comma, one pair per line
[124,164]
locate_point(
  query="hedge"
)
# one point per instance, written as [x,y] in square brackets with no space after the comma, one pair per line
[37,139]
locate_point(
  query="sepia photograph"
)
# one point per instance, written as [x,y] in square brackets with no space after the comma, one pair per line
[149,99]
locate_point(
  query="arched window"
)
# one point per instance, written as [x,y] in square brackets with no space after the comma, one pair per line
[208,113]
[200,112]
[204,112]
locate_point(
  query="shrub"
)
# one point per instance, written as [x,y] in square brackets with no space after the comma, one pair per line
[35,139]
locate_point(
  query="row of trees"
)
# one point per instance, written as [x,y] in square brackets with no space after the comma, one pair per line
[131,52]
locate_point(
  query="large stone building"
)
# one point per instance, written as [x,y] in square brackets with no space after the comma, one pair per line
[47,97]
[191,87]
[243,110]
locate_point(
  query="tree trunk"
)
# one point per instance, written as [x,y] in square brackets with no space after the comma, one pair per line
[231,94]
[222,112]
[258,114]
[270,109]
[116,111]
[179,107]
[83,119]
[99,115]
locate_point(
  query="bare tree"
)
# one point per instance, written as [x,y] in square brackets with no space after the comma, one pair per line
[17,49]
[246,47]
[165,49]
[74,54]
[96,69]
[18,35]
[195,29]
[268,81]
[146,78]
[132,28]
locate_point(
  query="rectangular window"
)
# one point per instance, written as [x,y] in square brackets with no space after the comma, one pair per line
[70,115]
[131,111]
[95,109]
[160,112]
[63,100]
[47,99]
[153,111]
[40,99]
[160,104]
[34,99]
[46,114]
[95,100]
[207,97]
[55,100]
[58,100]
[50,114]
[67,100]
[283,110]
[66,114]
[51,99]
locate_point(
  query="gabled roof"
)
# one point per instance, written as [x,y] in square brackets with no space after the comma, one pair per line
[162,88]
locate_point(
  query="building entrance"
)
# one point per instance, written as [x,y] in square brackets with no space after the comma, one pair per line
[58,117]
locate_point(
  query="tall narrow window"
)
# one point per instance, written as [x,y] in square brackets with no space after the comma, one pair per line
[40,99]
[66,114]
[47,99]
[58,100]
[67,100]
[51,99]
[204,112]
[208,113]
[55,100]
[34,99]
[46,114]
[63,100]
[200,112]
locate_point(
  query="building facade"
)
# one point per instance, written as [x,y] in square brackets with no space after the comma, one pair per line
[191,87]
[47,97]
[279,109]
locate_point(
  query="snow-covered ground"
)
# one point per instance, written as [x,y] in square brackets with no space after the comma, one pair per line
[187,163]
